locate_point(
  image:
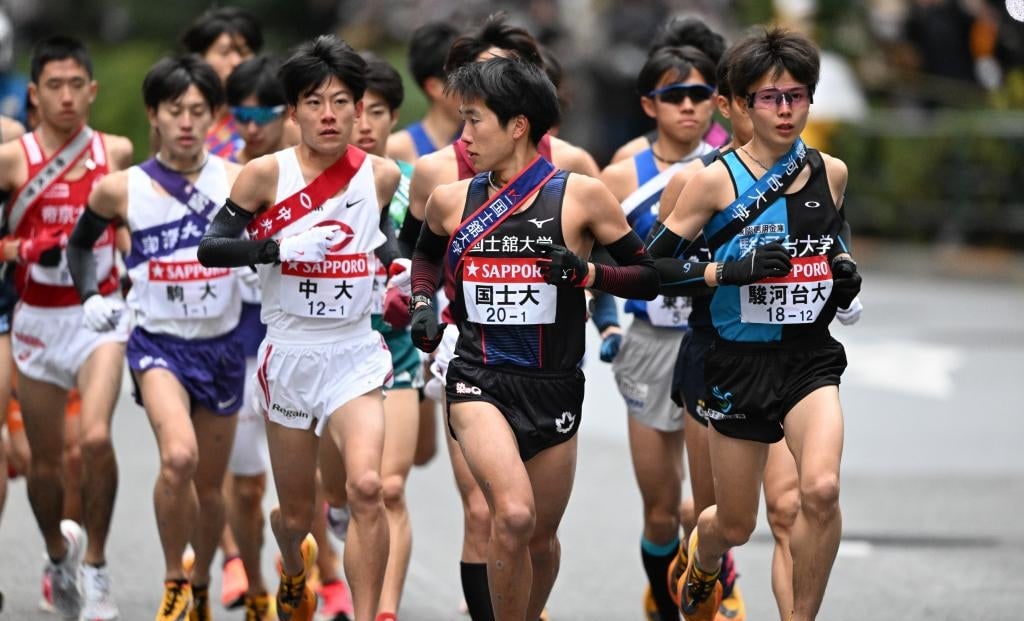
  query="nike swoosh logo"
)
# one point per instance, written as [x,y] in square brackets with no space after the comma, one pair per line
[349,204]
[230,211]
[223,404]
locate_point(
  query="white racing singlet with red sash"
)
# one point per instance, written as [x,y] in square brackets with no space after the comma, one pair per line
[57,205]
[171,292]
[329,301]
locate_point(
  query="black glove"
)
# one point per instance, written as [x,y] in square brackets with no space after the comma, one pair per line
[767,261]
[845,281]
[561,267]
[425,329]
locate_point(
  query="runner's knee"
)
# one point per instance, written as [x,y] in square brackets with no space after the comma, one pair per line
[364,489]
[514,523]
[736,530]
[394,491]
[178,464]
[819,496]
[782,511]
[248,492]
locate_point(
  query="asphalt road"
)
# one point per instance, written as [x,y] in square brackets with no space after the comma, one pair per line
[933,484]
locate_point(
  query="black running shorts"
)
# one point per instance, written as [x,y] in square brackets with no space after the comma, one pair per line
[542,410]
[750,387]
[688,376]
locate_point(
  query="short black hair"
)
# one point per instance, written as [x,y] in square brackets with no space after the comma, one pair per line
[509,87]
[170,77]
[316,61]
[722,72]
[384,80]
[692,31]
[202,33]
[678,59]
[495,32]
[58,47]
[771,51]
[256,76]
[428,49]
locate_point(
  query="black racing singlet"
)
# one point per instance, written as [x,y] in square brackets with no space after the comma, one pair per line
[799,305]
[506,313]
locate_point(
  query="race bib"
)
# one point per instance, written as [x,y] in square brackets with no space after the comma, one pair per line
[507,291]
[187,290]
[60,275]
[339,287]
[380,282]
[669,311]
[797,297]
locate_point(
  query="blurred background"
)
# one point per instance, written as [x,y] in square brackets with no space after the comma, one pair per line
[924,99]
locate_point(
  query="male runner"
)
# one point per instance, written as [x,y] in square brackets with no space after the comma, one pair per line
[314,215]
[773,370]
[55,345]
[676,86]
[514,389]
[224,37]
[428,49]
[186,363]
[494,37]
[680,32]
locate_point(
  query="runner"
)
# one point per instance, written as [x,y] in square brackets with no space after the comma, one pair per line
[440,126]
[450,164]
[224,37]
[186,363]
[514,389]
[321,365]
[676,87]
[681,32]
[51,171]
[775,230]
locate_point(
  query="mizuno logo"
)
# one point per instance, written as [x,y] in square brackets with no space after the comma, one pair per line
[539,223]
[349,204]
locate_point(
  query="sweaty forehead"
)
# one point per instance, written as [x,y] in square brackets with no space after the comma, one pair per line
[330,87]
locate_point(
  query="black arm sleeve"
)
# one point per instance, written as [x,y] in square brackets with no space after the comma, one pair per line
[845,234]
[662,242]
[426,262]
[388,251]
[81,261]
[408,234]
[680,277]
[221,246]
[634,276]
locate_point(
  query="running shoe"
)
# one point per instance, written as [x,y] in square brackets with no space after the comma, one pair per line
[335,601]
[296,601]
[99,601]
[46,588]
[699,594]
[177,601]
[650,608]
[257,607]
[233,583]
[200,610]
[675,572]
[66,576]
[337,520]
[732,607]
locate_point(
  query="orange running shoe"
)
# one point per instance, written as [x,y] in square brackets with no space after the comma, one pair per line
[296,601]
[234,584]
[699,593]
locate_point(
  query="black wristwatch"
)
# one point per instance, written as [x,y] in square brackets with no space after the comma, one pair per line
[416,299]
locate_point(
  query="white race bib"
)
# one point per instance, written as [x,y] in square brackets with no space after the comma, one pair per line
[187,290]
[339,287]
[507,291]
[797,297]
[669,311]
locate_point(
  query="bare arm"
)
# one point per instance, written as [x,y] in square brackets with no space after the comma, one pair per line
[401,147]
[572,158]
[119,150]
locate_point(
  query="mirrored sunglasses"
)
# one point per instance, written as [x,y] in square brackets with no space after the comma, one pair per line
[261,115]
[675,93]
[772,98]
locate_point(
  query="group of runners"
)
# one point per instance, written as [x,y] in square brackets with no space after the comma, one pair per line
[285,253]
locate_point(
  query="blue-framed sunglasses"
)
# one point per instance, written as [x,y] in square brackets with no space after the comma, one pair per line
[675,93]
[260,115]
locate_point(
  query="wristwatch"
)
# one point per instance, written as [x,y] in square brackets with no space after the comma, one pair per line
[416,299]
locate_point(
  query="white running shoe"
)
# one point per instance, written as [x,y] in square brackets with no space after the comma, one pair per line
[66,576]
[337,520]
[99,601]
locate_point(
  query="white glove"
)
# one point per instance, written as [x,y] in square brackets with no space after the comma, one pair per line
[309,246]
[400,276]
[101,314]
[248,277]
[850,316]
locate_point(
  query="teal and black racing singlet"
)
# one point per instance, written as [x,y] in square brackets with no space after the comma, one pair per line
[506,313]
[795,307]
